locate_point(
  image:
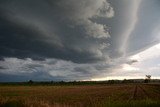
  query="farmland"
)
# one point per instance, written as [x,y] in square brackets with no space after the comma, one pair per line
[117,95]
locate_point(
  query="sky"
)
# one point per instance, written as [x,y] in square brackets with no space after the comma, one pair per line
[44,40]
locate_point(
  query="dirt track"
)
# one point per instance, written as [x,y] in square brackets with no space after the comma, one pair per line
[138,92]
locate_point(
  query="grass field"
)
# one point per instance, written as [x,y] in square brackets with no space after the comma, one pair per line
[119,95]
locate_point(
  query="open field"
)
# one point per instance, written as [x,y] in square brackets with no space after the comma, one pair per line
[118,95]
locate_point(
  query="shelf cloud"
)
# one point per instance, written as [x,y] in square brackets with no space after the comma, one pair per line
[74,39]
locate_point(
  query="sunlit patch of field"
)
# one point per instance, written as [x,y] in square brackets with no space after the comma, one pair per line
[120,95]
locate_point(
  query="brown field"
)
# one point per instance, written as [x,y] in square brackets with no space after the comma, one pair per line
[120,95]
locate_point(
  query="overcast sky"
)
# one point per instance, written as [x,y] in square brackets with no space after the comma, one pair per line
[79,39]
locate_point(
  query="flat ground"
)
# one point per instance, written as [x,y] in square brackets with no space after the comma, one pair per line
[120,95]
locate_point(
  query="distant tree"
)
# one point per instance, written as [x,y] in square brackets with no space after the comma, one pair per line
[111,81]
[30,82]
[147,79]
[124,81]
[51,82]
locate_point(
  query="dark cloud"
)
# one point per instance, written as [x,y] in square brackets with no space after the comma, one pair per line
[35,77]
[53,29]
[1,67]
[51,68]
[82,70]
[132,61]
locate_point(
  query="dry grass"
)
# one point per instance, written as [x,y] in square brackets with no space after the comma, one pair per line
[75,96]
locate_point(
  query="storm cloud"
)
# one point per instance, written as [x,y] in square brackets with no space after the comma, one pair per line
[74,39]
[56,29]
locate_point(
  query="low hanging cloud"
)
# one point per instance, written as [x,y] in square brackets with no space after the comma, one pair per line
[132,61]
[50,69]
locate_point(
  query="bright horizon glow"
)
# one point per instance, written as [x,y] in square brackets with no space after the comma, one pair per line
[142,57]
[120,78]
[149,53]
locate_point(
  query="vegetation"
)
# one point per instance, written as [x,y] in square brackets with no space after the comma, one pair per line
[55,83]
[148,79]
[88,95]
